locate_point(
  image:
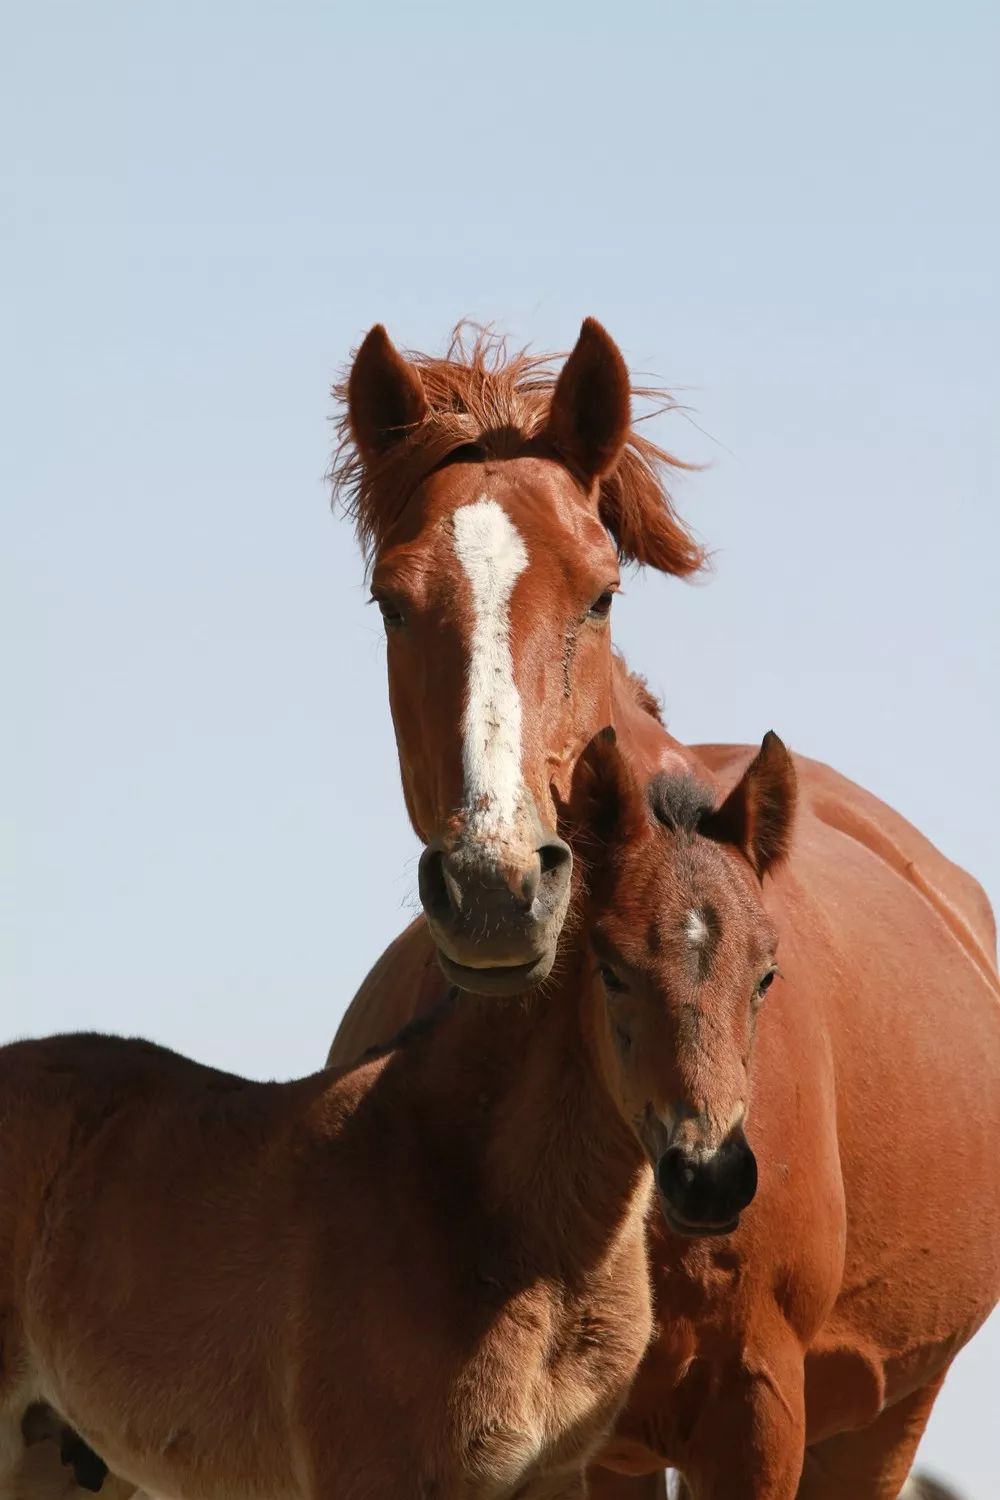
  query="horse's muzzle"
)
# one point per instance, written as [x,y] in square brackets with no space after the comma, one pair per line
[496,924]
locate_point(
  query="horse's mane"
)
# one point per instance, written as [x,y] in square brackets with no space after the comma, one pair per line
[641,691]
[485,399]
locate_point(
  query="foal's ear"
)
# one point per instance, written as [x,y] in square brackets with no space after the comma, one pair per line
[591,412]
[758,814]
[607,799]
[385,397]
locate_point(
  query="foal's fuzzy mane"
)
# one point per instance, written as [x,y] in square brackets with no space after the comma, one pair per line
[679,802]
[481,397]
[412,1030]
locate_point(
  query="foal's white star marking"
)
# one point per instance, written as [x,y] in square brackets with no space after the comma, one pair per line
[696,929]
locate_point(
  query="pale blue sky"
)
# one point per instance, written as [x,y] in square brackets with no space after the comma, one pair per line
[788,211]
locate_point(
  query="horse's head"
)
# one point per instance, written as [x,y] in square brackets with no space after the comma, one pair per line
[686,954]
[495,500]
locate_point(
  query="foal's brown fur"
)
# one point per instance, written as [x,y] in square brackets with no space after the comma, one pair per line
[426,1276]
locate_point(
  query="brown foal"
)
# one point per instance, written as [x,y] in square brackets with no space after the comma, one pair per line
[424,1276]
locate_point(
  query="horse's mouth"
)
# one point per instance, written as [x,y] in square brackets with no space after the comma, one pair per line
[691,1231]
[496,979]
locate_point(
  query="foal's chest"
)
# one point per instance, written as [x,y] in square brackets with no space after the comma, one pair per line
[546,1384]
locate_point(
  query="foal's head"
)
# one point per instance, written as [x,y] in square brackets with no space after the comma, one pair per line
[686,955]
[494,501]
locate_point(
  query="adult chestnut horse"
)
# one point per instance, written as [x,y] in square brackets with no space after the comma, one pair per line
[800,1354]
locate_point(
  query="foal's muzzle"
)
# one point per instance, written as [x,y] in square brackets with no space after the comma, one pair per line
[496,924]
[704,1193]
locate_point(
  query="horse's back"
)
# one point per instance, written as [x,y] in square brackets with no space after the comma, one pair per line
[841,805]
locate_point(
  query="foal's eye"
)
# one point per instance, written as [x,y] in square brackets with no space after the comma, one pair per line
[601,607]
[610,979]
[392,616]
[622,1036]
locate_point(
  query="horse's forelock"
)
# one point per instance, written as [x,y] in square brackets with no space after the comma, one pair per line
[480,396]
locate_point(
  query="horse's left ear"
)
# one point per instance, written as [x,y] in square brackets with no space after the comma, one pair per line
[591,410]
[758,814]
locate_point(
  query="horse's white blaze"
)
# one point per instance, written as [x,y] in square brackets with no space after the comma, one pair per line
[493,555]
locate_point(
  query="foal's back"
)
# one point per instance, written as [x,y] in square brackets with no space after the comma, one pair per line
[139,1215]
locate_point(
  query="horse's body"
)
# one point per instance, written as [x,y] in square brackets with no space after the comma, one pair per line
[820,1332]
[862,1267]
[418,1277]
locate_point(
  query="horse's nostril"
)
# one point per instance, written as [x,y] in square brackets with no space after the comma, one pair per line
[480,897]
[555,859]
[435,890]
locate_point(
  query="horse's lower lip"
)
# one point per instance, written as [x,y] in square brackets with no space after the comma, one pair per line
[489,968]
[495,979]
[696,1231]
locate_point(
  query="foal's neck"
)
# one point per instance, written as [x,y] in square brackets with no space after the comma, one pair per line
[513,1095]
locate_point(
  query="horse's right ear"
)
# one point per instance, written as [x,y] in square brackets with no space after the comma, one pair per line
[607,799]
[591,413]
[385,396]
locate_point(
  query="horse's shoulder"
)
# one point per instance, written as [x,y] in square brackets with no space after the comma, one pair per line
[405,982]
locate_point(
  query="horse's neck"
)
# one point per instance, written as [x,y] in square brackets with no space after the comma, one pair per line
[509,1097]
[646,741]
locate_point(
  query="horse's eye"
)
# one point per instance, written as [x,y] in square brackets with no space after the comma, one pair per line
[610,979]
[601,607]
[391,615]
[766,983]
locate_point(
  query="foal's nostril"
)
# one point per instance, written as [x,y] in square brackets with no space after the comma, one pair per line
[707,1190]
[675,1172]
[743,1173]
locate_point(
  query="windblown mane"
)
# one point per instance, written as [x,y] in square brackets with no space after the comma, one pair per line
[641,690]
[483,399]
